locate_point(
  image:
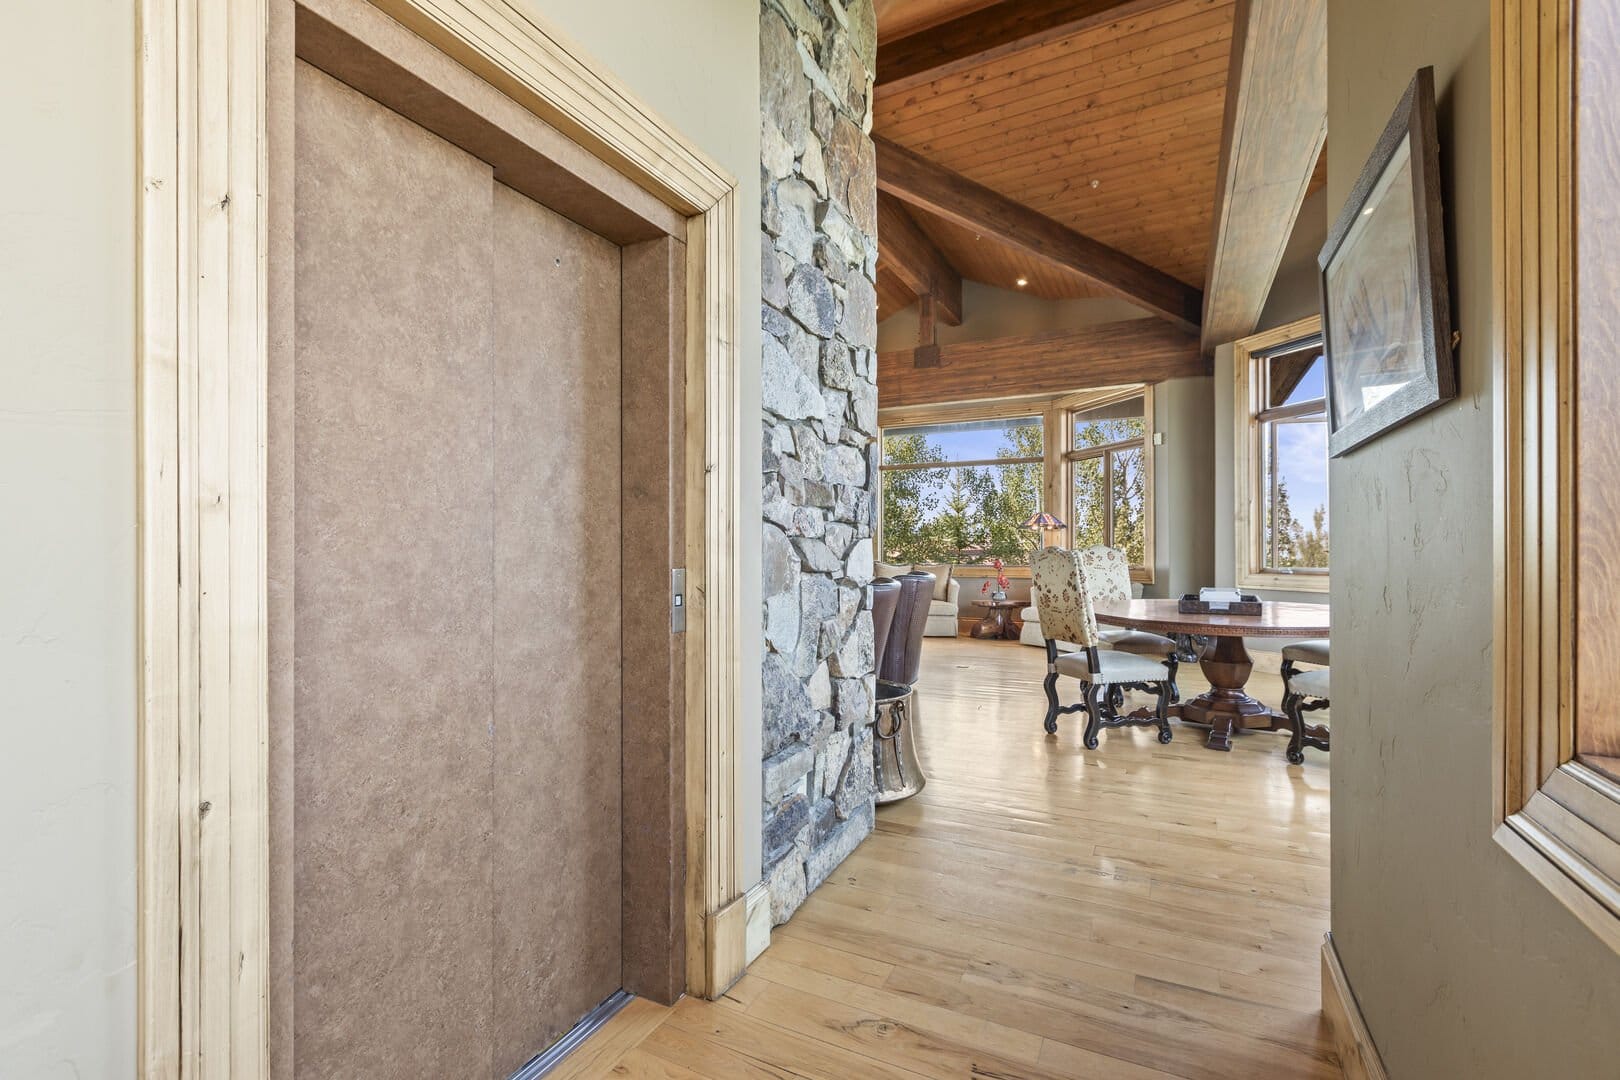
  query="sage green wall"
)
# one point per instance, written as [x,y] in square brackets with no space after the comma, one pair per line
[67,541]
[991,312]
[1463,965]
[696,64]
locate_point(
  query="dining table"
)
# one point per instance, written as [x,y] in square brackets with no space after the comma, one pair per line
[1226,708]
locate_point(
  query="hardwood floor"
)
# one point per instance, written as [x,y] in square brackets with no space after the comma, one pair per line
[1140,911]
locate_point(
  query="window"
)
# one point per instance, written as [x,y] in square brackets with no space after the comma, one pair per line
[1556,805]
[1110,476]
[1282,459]
[959,492]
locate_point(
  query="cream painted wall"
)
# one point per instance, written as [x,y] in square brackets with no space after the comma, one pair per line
[67,542]
[1463,965]
[696,64]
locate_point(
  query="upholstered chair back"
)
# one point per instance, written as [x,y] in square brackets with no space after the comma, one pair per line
[1108,573]
[885,595]
[1066,613]
[902,658]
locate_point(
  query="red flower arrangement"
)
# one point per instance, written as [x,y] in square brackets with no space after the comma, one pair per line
[1002,581]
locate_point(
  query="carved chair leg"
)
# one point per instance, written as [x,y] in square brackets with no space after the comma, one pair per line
[1288,670]
[1296,737]
[1116,698]
[1095,696]
[1162,710]
[1051,702]
[1174,664]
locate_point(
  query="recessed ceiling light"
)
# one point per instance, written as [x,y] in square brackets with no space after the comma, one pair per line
[1022,282]
[1096,183]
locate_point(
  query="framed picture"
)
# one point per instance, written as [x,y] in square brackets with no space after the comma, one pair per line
[1386,298]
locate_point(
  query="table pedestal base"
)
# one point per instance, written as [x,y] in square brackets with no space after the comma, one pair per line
[1225,708]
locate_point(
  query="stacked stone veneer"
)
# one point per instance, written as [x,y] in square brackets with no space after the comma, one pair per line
[819,389]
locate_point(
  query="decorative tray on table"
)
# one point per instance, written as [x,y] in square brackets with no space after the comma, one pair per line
[1219,602]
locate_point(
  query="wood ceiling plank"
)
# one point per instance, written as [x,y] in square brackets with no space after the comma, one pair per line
[1137,350]
[1085,63]
[897,18]
[996,33]
[1057,118]
[919,182]
[907,251]
[1275,128]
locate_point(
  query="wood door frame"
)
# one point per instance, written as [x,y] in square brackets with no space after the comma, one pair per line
[202,359]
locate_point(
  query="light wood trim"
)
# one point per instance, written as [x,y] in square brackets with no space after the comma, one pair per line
[1246,461]
[534,65]
[1358,1055]
[203,877]
[914,179]
[1275,128]
[1557,819]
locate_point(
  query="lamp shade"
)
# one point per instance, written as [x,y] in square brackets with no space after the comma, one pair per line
[1044,522]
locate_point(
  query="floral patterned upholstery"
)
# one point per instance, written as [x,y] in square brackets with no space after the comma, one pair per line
[1108,573]
[1066,612]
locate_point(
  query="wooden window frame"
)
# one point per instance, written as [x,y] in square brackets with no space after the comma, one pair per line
[1557,818]
[1093,399]
[1248,494]
[201,368]
[922,417]
[1056,413]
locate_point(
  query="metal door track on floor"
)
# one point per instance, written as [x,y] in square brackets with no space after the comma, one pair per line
[548,1059]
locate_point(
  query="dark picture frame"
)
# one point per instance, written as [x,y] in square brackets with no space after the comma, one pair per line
[1386,295]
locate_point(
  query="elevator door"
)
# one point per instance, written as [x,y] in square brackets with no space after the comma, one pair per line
[457,646]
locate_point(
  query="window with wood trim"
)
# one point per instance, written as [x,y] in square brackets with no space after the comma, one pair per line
[1281,456]
[1110,476]
[1557,443]
[959,491]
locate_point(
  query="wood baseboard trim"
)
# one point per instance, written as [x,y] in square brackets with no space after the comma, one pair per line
[758,930]
[1358,1056]
[730,937]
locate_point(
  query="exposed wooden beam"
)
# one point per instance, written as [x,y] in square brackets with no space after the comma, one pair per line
[906,250]
[914,179]
[1276,124]
[997,32]
[1111,354]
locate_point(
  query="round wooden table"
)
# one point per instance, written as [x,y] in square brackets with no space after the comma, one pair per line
[1225,708]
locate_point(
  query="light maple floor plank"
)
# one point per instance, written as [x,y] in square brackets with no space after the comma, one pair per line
[1040,911]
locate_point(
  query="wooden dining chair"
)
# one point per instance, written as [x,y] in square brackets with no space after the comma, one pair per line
[1067,615]
[1108,576]
[1306,691]
[1295,653]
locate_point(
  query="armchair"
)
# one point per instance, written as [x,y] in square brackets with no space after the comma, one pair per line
[942,613]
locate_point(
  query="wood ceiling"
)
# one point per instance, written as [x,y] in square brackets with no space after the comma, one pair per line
[1112,131]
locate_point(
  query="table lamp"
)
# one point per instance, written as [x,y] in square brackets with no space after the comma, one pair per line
[1044,523]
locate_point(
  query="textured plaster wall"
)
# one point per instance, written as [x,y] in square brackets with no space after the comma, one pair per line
[1463,965]
[696,64]
[67,542]
[991,312]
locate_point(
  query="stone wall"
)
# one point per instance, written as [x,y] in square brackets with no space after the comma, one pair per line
[819,390]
